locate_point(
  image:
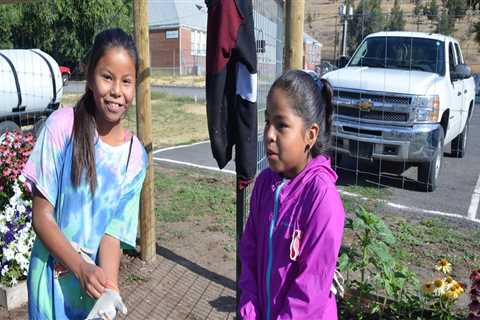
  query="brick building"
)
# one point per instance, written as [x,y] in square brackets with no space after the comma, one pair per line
[178,33]
[178,36]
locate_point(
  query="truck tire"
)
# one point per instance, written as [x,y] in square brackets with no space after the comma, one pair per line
[9,126]
[459,144]
[429,172]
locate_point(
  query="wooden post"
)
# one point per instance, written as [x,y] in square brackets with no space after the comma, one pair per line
[294,20]
[144,130]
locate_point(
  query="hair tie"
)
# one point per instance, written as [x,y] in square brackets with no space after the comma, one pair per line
[318,81]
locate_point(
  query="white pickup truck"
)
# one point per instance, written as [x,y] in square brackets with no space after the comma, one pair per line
[402,97]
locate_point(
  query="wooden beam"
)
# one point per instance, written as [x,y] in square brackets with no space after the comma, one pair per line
[144,130]
[294,20]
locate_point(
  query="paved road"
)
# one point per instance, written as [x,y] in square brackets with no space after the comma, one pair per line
[453,195]
[194,92]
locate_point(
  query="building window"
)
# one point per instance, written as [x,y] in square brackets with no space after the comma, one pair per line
[171,34]
[199,43]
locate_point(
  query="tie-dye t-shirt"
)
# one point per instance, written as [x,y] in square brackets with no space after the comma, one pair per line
[82,217]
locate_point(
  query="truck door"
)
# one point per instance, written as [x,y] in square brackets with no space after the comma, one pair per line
[456,99]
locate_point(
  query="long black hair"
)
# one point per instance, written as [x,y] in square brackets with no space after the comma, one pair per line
[84,127]
[311,98]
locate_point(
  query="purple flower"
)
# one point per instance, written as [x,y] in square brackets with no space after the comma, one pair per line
[9,237]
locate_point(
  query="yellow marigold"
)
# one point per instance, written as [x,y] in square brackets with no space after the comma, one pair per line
[439,287]
[454,292]
[428,287]
[443,265]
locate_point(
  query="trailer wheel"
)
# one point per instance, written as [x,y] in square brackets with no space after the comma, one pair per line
[9,126]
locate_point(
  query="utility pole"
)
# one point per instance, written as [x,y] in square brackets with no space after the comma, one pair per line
[294,20]
[144,130]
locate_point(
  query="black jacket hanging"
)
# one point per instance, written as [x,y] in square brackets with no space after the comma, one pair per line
[231,84]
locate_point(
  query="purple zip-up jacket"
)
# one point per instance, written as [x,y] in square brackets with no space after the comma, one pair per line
[297,289]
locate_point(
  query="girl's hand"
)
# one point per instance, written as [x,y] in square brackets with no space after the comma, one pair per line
[92,279]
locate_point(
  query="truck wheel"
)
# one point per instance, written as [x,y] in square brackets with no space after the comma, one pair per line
[459,144]
[429,172]
[9,126]
[38,126]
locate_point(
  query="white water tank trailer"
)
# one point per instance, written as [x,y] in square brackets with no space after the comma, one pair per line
[31,88]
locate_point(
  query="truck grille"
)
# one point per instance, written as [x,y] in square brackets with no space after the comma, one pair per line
[374,97]
[371,115]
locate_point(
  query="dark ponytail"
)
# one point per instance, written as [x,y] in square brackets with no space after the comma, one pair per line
[325,106]
[84,126]
[83,156]
[311,99]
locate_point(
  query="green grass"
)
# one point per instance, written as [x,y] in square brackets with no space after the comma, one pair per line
[175,120]
[183,195]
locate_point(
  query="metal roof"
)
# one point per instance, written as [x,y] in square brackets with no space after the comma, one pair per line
[164,14]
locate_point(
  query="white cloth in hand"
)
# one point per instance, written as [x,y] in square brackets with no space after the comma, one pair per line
[107,306]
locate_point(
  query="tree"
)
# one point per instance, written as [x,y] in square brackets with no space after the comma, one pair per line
[445,25]
[476,31]
[396,23]
[417,9]
[9,17]
[66,28]
[456,8]
[309,20]
[431,11]
[367,18]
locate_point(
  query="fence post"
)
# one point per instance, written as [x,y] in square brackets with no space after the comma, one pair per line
[144,129]
[294,19]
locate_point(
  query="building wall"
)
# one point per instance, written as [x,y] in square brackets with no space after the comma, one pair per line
[164,53]
[176,56]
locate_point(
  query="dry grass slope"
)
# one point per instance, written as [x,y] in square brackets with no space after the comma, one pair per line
[323,15]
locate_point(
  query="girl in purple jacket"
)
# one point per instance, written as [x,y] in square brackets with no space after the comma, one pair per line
[292,238]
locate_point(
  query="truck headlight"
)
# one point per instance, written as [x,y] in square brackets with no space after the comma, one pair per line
[426,108]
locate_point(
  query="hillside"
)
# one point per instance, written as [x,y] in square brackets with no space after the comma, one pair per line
[322,22]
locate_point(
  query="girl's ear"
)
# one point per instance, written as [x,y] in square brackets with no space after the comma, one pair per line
[312,134]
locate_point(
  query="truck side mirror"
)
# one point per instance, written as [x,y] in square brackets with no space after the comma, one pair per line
[462,71]
[342,61]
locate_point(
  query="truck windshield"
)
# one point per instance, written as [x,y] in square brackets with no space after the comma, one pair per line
[401,53]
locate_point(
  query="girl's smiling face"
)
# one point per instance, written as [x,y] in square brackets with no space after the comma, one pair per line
[113,86]
[287,141]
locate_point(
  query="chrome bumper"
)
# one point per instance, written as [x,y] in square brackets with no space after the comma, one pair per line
[395,143]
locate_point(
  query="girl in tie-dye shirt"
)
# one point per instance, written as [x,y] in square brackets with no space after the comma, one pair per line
[86,173]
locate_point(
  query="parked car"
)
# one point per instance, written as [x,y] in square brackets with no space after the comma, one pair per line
[402,97]
[66,74]
[31,88]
